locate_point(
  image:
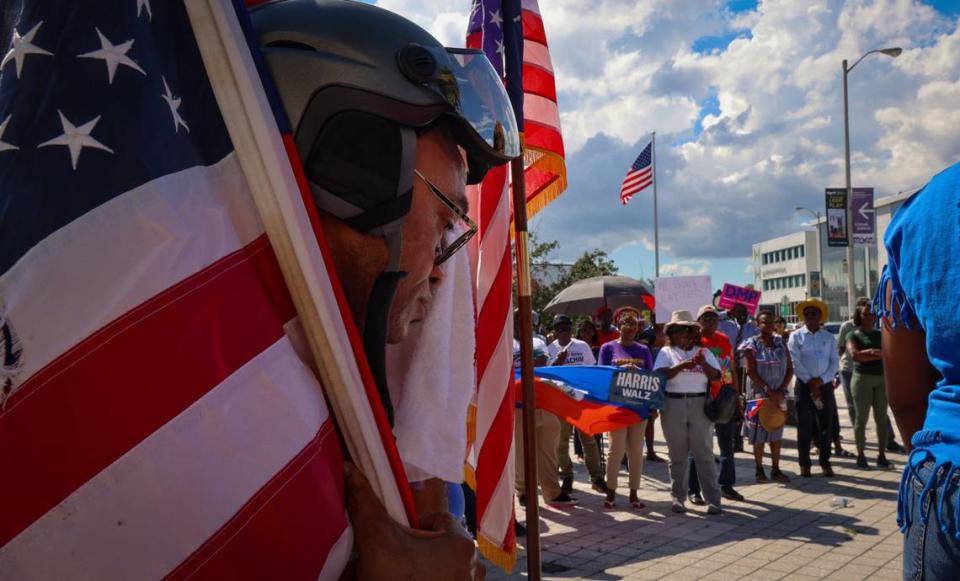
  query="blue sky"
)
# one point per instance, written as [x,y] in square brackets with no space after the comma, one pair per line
[745,99]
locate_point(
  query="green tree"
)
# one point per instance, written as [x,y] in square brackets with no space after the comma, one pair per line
[591,263]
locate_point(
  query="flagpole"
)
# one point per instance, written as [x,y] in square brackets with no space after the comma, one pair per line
[525,308]
[656,221]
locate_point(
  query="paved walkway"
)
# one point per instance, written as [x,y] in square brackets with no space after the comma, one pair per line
[790,531]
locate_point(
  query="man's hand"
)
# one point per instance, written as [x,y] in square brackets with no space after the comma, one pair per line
[440,549]
[561,358]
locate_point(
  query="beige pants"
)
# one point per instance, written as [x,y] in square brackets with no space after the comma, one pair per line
[548,436]
[629,440]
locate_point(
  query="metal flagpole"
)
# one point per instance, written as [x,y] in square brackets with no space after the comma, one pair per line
[525,307]
[656,221]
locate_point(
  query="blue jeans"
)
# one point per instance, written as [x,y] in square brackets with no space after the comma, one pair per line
[928,552]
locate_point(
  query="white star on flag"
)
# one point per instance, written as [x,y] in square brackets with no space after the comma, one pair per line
[76,138]
[22,46]
[495,18]
[3,127]
[113,54]
[500,47]
[174,104]
[141,4]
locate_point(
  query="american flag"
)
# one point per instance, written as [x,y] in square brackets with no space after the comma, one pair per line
[639,177]
[157,418]
[494,27]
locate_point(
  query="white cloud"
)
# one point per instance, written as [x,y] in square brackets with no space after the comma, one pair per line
[775,140]
[685,268]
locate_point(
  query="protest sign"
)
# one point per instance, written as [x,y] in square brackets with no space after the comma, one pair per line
[733,295]
[640,388]
[688,293]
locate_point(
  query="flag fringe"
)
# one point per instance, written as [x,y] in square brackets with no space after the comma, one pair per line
[504,558]
[549,162]
[470,476]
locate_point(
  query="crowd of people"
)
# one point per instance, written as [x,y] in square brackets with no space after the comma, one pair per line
[758,359]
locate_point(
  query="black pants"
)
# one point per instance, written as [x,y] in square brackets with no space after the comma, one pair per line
[814,423]
[728,468]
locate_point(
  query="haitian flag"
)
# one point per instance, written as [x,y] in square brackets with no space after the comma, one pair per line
[599,398]
[752,409]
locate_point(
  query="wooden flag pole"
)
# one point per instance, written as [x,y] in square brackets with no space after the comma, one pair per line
[525,320]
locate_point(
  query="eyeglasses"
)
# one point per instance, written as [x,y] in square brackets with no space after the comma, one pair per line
[444,251]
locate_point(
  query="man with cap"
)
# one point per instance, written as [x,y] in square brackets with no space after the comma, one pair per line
[718,344]
[567,350]
[815,362]
[387,153]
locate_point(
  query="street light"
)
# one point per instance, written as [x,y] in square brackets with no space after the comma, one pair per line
[819,246]
[892,52]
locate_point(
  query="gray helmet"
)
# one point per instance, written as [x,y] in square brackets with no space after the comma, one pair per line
[358,83]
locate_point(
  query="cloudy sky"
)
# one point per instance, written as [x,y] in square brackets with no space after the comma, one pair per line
[745,98]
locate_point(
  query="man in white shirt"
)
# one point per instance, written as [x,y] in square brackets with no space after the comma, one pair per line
[566,350]
[815,362]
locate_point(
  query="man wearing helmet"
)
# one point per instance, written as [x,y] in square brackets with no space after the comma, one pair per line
[390,127]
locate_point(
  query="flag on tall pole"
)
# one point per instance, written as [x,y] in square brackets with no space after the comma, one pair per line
[155,409]
[639,176]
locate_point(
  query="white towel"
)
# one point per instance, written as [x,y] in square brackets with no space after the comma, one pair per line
[432,375]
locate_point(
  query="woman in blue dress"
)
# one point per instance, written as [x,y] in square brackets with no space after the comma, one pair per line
[769,371]
[917,302]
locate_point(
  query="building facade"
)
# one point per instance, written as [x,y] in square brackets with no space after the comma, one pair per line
[782,270]
[787,270]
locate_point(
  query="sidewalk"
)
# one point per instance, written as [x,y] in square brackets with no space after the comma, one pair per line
[781,531]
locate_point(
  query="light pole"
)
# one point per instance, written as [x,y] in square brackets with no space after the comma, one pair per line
[819,246]
[851,287]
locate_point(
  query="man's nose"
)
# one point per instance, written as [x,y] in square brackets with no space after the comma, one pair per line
[436,276]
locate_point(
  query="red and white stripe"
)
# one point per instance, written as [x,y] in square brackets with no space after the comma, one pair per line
[634,182]
[545,166]
[493,439]
[163,424]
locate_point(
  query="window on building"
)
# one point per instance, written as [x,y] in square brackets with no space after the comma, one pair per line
[764,258]
[803,280]
[803,251]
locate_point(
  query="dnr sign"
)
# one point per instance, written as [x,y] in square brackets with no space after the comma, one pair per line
[639,389]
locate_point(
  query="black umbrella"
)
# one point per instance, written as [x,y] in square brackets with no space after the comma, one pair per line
[584,297]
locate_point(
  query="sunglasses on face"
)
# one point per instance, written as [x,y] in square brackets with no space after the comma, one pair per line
[468,227]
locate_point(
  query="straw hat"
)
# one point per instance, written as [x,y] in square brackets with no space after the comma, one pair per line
[817,304]
[680,318]
[772,418]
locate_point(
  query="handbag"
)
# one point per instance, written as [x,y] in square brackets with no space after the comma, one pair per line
[720,408]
